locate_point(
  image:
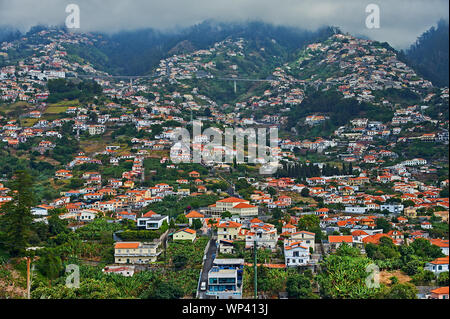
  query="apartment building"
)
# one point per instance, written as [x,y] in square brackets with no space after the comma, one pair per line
[135,252]
[225,278]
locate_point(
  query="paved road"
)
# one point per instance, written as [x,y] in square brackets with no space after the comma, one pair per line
[206,267]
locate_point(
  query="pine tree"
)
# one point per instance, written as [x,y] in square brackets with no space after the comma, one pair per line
[17,218]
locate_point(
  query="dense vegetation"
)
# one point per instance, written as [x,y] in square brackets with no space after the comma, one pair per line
[62,89]
[339,110]
[429,55]
[137,52]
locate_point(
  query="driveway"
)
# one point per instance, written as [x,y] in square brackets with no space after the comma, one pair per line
[206,267]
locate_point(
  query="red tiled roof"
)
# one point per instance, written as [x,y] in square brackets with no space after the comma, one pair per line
[440,291]
[232,200]
[126,245]
[340,239]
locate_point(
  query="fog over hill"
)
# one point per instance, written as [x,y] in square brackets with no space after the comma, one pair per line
[401,21]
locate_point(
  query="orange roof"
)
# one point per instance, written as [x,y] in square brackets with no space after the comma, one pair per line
[229,224]
[359,233]
[440,291]
[440,261]
[439,242]
[150,213]
[255,220]
[194,214]
[187,230]
[374,239]
[343,223]
[305,232]
[244,205]
[127,245]
[340,239]
[232,200]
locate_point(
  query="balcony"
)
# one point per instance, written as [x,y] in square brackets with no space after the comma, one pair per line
[138,254]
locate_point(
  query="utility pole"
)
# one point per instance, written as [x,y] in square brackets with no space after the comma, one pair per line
[255,271]
[165,251]
[28,277]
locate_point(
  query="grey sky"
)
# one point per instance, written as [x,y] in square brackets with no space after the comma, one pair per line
[401,21]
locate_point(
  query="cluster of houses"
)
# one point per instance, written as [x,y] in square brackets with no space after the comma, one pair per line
[348,209]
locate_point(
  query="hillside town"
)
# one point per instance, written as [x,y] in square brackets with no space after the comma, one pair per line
[112,195]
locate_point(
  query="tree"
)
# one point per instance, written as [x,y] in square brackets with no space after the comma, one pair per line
[308,222]
[444,192]
[298,286]
[17,219]
[347,250]
[164,290]
[57,225]
[402,291]
[345,277]
[383,224]
[272,191]
[408,203]
[89,289]
[443,279]
[388,248]
[179,261]
[197,223]
[50,265]
[182,219]
[423,248]
[412,267]
[305,192]
[277,213]
[225,215]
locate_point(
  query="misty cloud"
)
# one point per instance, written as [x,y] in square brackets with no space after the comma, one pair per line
[401,21]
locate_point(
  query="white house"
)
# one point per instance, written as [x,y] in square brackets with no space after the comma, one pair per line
[265,236]
[438,265]
[151,221]
[355,209]
[307,238]
[393,208]
[426,225]
[296,254]
[41,210]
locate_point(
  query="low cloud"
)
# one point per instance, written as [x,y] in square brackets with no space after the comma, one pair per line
[401,21]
